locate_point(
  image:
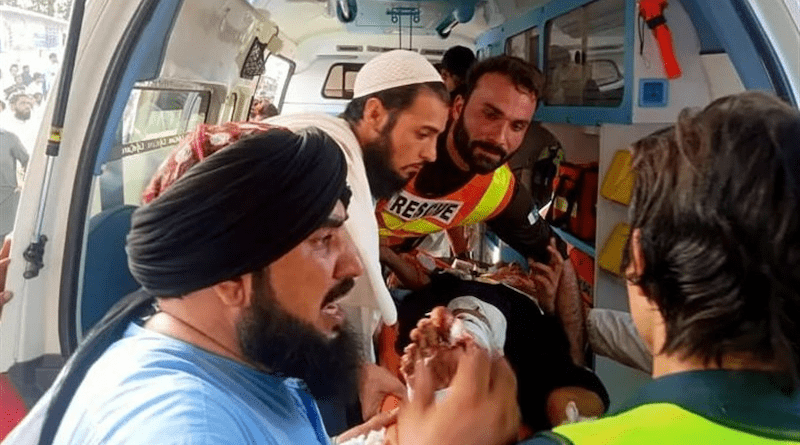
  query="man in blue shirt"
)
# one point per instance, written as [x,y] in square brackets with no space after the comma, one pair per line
[237,328]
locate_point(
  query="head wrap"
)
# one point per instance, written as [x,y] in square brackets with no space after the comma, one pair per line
[204,141]
[236,211]
[393,69]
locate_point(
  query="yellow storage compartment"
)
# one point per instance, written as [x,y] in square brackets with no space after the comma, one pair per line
[618,182]
[610,258]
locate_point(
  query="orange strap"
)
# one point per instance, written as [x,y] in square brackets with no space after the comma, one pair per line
[387,353]
[389,403]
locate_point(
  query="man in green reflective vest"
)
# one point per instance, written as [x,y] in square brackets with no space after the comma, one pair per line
[713,277]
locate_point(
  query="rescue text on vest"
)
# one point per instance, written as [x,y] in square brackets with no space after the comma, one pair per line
[409,207]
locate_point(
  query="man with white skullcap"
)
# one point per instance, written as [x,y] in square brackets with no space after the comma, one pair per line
[387,132]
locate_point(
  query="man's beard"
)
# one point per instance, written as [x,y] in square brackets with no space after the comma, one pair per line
[384,182]
[467,149]
[22,115]
[288,346]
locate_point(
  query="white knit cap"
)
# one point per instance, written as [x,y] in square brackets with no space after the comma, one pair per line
[393,69]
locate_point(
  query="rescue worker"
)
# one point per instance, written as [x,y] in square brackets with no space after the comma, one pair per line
[712,276]
[470,181]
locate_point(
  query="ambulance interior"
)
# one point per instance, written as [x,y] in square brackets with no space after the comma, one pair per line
[163,67]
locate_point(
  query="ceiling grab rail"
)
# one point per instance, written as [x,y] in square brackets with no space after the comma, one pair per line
[34,253]
[396,13]
[346,10]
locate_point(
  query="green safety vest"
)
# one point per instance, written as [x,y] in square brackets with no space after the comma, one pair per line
[667,424]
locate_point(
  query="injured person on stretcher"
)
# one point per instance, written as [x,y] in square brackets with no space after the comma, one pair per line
[508,313]
[435,323]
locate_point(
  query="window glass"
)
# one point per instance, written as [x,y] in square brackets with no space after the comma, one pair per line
[153,123]
[340,80]
[334,84]
[585,55]
[272,83]
[515,45]
[349,81]
[234,101]
[525,45]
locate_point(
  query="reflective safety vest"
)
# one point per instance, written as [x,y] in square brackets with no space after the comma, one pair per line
[667,424]
[407,214]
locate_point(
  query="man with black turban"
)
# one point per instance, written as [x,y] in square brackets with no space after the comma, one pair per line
[388,132]
[237,330]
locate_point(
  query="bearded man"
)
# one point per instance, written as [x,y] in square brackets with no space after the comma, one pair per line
[471,182]
[236,330]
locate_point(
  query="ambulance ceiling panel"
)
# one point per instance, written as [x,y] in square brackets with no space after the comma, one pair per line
[303,19]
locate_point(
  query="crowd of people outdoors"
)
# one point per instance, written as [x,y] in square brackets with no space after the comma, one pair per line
[24,88]
[291,328]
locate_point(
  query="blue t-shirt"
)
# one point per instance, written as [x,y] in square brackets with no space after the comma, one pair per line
[148,388]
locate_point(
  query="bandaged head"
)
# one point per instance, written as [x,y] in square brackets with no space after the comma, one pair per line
[237,211]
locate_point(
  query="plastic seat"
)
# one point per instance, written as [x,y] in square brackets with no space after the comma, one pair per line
[106,277]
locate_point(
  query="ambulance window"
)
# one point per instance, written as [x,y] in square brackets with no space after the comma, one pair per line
[153,122]
[525,45]
[272,84]
[340,80]
[585,55]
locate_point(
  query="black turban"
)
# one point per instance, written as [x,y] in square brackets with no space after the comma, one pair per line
[237,211]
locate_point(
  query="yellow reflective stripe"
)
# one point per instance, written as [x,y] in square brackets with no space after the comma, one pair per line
[492,198]
[422,227]
[392,222]
[662,423]
[396,226]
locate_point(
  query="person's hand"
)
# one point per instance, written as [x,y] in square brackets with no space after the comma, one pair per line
[375,423]
[386,253]
[572,404]
[5,295]
[431,342]
[547,277]
[480,406]
[375,383]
